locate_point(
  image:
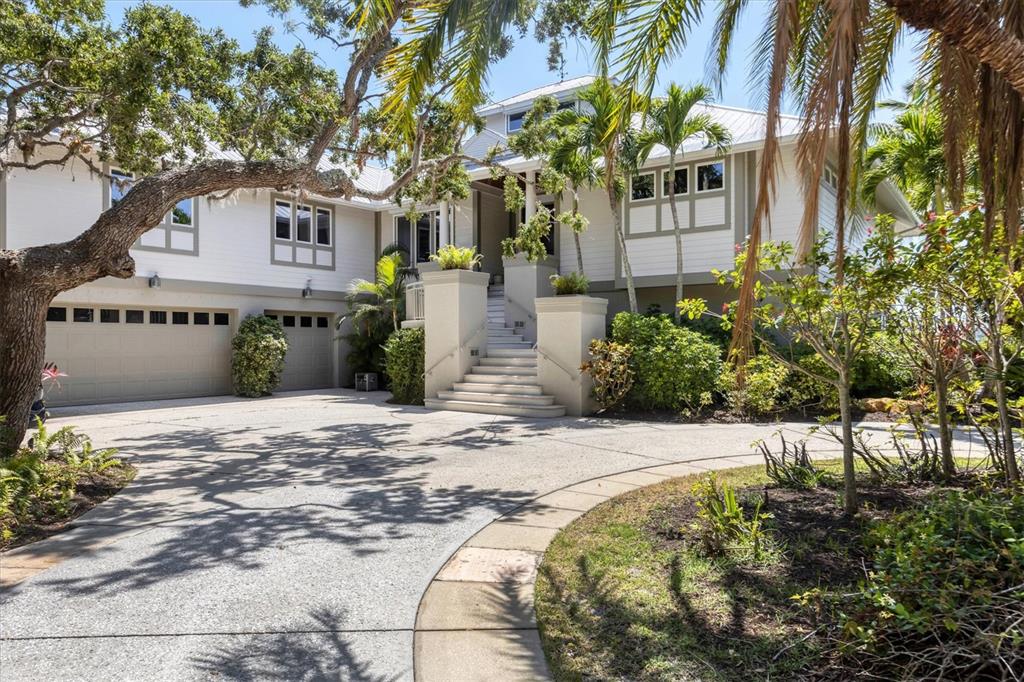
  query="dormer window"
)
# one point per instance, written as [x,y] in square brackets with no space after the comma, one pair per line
[514,122]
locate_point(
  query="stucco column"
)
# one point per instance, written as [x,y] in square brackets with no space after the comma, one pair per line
[454,323]
[531,193]
[565,327]
[524,283]
[443,237]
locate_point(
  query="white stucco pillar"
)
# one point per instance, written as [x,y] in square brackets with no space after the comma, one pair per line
[524,283]
[454,324]
[531,193]
[565,327]
[444,231]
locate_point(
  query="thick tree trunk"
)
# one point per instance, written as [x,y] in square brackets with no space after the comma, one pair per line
[966,25]
[675,230]
[945,432]
[616,207]
[22,347]
[849,471]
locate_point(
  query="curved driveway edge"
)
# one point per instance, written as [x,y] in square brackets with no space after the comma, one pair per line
[476,619]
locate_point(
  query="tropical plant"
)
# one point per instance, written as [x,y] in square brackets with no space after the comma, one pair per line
[763,390]
[529,238]
[611,371]
[672,122]
[451,257]
[257,356]
[570,284]
[722,527]
[792,466]
[601,128]
[404,360]
[383,298]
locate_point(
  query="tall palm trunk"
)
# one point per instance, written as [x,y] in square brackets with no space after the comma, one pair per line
[675,228]
[616,207]
[575,234]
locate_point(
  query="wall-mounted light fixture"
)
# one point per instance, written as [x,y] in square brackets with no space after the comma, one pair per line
[307,292]
[154,281]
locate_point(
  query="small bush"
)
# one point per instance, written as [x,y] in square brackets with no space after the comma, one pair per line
[257,357]
[946,597]
[807,392]
[675,368]
[570,284]
[792,467]
[451,257]
[763,390]
[722,528]
[609,367]
[882,368]
[404,360]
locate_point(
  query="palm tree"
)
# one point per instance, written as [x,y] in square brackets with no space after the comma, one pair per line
[672,122]
[374,302]
[603,129]
[581,169]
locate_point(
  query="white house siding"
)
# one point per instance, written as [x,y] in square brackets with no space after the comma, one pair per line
[702,252]
[465,220]
[597,242]
[787,212]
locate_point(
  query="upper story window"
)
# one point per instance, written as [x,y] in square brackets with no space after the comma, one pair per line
[642,187]
[302,233]
[710,176]
[514,122]
[831,179]
[176,234]
[682,182]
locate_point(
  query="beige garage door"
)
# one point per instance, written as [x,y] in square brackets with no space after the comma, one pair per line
[120,354]
[308,363]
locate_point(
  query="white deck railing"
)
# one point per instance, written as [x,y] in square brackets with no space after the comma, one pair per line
[414,301]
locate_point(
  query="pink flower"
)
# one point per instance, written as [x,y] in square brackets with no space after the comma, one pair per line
[738,248]
[725,308]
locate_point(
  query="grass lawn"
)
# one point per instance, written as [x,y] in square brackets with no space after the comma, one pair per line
[623,593]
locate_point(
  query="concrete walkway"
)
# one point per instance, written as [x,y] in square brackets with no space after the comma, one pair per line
[293,537]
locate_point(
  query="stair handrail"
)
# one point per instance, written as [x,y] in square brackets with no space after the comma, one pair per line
[458,347]
[574,376]
[521,307]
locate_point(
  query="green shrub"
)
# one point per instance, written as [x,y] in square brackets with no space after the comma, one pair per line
[945,599]
[404,360]
[570,284]
[257,357]
[451,257]
[609,367]
[804,391]
[763,390]
[721,527]
[675,368]
[882,369]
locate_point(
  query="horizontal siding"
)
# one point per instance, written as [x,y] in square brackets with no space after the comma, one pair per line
[597,242]
[702,252]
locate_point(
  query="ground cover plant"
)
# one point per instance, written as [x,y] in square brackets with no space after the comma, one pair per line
[56,477]
[664,583]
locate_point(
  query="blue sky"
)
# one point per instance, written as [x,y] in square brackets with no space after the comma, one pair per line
[525,67]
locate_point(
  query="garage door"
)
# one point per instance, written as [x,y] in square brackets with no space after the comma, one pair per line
[308,363]
[120,354]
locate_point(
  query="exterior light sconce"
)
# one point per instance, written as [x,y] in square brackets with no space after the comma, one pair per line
[307,292]
[154,281]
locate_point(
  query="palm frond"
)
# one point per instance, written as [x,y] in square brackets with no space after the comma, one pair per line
[729,13]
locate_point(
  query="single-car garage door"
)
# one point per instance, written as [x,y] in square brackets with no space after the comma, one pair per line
[308,363]
[118,354]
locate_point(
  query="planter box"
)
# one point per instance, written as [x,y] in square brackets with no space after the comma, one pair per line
[565,327]
[454,325]
[525,282]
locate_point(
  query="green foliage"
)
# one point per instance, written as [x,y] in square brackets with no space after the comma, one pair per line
[792,467]
[763,389]
[611,370]
[41,481]
[529,239]
[381,301]
[722,528]
[570,284]
[451,257]
[257,357]
[404,361]
[675,368]
[945,598]
[882,368]
[805,389]
[515,198]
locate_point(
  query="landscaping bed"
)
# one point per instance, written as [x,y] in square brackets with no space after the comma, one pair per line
[627,592]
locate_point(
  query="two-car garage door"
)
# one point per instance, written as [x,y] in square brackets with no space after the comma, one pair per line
[122,354]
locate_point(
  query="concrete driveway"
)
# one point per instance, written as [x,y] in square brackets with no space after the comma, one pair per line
[292,537]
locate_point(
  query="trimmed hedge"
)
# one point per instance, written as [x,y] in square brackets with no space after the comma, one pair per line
[676,368]
[404,360]
[257,358]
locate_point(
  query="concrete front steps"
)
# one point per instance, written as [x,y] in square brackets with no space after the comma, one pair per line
[505,380]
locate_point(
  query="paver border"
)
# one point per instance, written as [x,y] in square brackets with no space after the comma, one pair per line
[476,619]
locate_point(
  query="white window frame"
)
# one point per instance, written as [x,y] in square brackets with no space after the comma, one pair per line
[312,213]
[664,179]
[508,121]
[330,225]
[291,219]
[654,187]
[192,216]
[123,174]
[696,173]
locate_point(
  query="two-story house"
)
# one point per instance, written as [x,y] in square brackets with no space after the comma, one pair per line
[167,332]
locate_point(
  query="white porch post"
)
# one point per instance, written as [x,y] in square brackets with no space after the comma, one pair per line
[531,193]
[443,237]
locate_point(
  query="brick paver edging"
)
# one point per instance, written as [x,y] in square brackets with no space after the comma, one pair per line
[476,619]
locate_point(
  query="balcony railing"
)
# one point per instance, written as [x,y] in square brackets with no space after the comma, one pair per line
[414,301]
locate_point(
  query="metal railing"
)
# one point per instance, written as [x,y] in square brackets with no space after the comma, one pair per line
[414,301]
